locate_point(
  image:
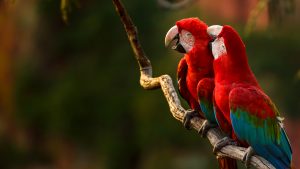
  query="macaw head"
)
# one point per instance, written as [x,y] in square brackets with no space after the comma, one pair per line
[229,52]
[186,34]
[226,41]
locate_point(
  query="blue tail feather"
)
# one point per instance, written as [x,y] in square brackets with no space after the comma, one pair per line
[276,150]
[279,155]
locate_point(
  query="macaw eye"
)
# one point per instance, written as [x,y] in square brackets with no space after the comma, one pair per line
[188,34]
[223,46]
[187,40]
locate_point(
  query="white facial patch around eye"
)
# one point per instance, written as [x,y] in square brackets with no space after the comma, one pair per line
[187,40]
[218,47]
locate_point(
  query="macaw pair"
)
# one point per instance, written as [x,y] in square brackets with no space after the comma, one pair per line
[215,79]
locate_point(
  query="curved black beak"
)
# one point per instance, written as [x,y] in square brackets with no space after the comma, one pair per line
[210,44]
[173,39]
[178,47]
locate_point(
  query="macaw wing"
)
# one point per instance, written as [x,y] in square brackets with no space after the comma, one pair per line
[205,89]
[182,84]
[256,120]
[181,79]
[222,121]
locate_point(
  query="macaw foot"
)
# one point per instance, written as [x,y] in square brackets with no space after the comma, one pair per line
[205,128]
[247,157]
[222,143]
[188,116]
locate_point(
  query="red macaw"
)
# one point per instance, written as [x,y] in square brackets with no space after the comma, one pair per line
[190,37]
[195,73]
[243,110]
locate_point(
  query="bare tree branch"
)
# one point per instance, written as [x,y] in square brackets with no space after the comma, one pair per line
[165,82]
[173,5]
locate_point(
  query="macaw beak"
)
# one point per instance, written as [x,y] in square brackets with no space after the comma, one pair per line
[171,35]
[172,38]
[214,31]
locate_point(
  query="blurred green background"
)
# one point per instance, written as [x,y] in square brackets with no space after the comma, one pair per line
[70,96]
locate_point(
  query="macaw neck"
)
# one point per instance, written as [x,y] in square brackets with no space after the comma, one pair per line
[233,69]
[200,58]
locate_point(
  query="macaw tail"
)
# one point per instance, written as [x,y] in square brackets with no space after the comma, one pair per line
[227,163]
[278,154]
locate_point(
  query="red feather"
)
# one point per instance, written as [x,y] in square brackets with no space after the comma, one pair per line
[231,70]
[195,66]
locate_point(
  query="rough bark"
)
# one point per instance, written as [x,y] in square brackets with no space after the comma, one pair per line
[165,83]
